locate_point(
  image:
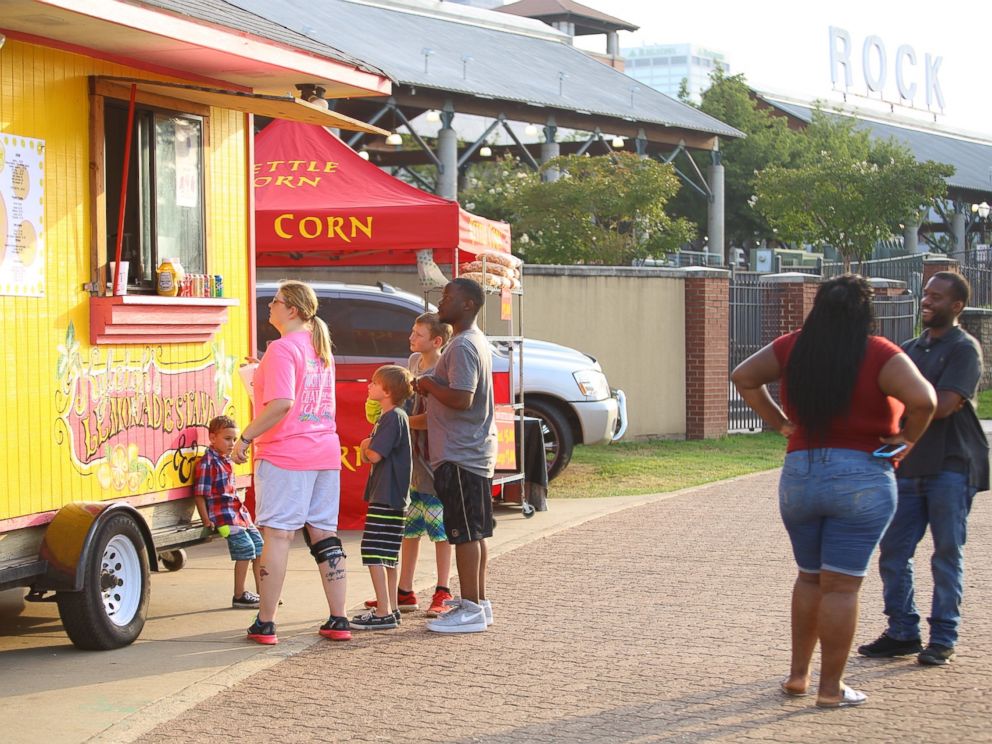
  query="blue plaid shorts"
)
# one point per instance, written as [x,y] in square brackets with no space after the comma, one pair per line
[245,545]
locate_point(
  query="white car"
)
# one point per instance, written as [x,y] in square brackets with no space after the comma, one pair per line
[563,387]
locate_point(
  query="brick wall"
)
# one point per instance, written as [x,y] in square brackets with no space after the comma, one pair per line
[978,322]
[707,316]
[932,265]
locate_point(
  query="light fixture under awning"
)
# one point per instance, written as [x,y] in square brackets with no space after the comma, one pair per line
[276,107]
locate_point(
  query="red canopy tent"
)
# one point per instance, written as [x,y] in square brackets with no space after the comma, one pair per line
[317,202]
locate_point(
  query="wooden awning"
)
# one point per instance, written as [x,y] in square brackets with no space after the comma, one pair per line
[276,107]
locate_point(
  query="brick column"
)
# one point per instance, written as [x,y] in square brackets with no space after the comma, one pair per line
[888,287]
[707,317]
[789,300]
[978,322]
[932,265]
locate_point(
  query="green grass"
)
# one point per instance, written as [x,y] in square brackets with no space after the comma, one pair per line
[658,466]
[985,404]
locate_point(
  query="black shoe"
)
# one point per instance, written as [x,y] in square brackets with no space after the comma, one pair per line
[370,621]
[336,628]
[264,633]
[936,654]
[885,646]
[247,601]
[397,616]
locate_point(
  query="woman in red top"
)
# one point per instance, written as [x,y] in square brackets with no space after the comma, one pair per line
[845,392]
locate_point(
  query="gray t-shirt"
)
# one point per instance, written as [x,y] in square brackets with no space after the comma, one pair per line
[423,477]
[389,481]
[465,438]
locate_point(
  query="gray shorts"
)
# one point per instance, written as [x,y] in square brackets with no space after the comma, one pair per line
[289,499]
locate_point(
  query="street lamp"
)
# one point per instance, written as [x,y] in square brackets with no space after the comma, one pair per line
[982,210]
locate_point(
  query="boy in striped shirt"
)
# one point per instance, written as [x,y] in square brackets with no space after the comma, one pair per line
[390,453]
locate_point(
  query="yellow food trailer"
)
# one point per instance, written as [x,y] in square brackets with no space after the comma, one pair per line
[125,137]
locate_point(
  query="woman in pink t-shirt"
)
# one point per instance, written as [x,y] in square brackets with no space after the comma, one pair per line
[297,456]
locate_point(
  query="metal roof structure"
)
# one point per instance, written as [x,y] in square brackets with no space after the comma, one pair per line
[210,41]
[228,15]
[587,20]
[971,157]
[489,63]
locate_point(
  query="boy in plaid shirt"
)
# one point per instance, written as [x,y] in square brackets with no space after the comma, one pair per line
[221,509]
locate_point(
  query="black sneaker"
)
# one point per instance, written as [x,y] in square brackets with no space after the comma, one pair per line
[936,654]
[247,601]
[370,621]
[264,633]
[885,646]
[336,628]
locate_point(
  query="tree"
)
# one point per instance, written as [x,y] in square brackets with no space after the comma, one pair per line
[848,191]
[768,141]
[602,210]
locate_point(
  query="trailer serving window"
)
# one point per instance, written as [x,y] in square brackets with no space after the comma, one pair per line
[163,192]
[164,213]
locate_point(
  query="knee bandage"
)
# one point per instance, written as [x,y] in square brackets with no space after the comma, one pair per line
[329,549]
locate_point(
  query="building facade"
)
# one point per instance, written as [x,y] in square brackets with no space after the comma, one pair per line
[664,67]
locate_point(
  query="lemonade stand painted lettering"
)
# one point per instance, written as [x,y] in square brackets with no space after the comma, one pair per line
[127,418]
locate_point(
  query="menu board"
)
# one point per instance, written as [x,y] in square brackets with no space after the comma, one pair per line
[22,218]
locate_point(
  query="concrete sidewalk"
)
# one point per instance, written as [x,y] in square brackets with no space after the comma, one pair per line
[667,621]
[193,642]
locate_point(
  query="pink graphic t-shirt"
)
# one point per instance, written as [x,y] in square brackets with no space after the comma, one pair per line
[307,438]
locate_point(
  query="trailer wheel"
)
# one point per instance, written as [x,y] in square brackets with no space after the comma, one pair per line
[527,510]
[109,611]
[558,439]
[173,560]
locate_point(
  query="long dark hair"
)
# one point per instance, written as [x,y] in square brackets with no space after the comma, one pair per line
[823,367]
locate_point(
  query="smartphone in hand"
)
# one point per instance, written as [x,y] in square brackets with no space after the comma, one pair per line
[889,450]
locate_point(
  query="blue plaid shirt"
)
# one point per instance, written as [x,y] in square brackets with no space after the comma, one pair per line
[214,480]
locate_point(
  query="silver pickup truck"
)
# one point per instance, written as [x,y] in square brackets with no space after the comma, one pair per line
[563,387]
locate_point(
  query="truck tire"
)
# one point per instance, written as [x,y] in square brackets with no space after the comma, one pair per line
[109,611]
[558,439]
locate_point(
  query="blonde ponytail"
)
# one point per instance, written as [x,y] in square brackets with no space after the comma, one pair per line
[321,337]
[301,296]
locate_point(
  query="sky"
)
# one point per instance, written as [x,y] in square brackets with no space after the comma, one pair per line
[784,47]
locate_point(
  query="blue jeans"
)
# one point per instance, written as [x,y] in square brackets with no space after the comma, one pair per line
[942,501]
[835,504]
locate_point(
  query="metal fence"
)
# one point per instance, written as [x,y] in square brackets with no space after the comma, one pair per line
[974,266]
[907,269]
[895,317]
[747,298]
[980,279]
[749,304]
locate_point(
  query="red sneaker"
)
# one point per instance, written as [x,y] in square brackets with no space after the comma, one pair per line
[437,607]
[407,603]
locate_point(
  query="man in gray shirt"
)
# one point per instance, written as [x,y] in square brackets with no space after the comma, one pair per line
[461,425]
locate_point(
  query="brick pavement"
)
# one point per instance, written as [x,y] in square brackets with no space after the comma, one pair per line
[663,622]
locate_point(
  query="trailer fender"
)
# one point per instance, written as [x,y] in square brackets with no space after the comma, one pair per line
[69,537]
